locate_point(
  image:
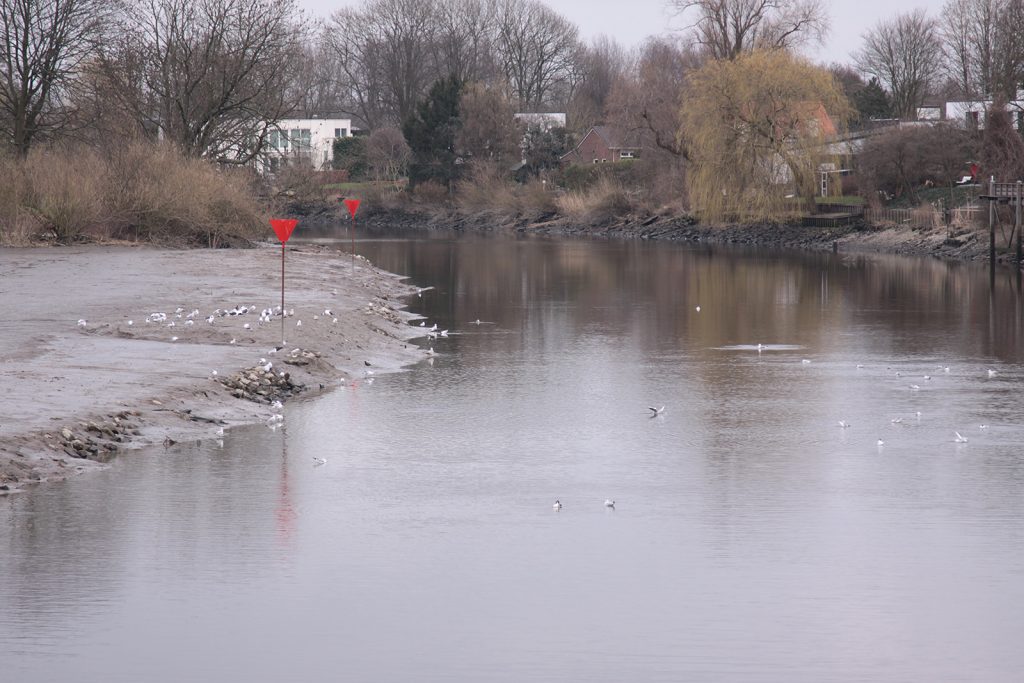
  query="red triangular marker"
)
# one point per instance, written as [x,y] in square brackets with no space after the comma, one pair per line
[353,206]
[283,227]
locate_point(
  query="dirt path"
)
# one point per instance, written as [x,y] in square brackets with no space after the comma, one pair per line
[76,393]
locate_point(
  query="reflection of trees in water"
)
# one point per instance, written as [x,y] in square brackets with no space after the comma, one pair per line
[899,305]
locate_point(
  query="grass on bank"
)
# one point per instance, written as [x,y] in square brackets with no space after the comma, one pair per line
[141,192]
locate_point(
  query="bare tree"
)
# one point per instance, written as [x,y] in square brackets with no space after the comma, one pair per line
[320,85]
[210,76]
[387,50]
[649,102]
[464,40]
[44,43]
[600,65]
[905,54]
[387,154]
[728,28]
[488,129]
[983,42]
[536,47]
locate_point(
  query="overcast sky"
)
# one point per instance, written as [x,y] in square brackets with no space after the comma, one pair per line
[633,20]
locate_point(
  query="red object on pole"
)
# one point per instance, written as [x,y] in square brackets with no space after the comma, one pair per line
[353,206]
[283,228]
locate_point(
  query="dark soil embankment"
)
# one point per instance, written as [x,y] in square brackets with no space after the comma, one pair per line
[857,237]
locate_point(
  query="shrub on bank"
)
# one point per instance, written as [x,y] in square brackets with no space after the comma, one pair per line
[139,191]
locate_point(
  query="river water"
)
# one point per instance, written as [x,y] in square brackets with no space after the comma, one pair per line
[752,538]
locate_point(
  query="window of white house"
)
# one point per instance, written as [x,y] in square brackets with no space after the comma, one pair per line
[340,132]
[273,139]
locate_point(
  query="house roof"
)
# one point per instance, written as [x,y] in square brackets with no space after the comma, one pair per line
[616,138]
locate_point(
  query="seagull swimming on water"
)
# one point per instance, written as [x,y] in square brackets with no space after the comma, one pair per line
[557,506]
[656,411]
[319,461]
[844,424]
[960,438]
[609,503]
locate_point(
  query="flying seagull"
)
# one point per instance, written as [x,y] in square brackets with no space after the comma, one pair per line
[656,411]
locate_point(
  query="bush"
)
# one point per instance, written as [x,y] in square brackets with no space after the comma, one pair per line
[350,155]
[139,191]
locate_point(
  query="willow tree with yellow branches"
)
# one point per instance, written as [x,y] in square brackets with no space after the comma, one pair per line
[758,129]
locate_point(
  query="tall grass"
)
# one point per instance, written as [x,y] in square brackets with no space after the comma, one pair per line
[138,191]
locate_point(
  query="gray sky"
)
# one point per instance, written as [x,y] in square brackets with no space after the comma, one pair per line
[633,20]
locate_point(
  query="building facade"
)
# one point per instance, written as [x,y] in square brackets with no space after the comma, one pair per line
[305,142]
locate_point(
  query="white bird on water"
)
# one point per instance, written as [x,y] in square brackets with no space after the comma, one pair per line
[609,503]
[880,443]
[656,411]
[960,438]
[992,373]
[844,424]
[557,506]
[319,461]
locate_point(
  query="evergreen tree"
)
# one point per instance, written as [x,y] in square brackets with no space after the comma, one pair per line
[872,102]
[431,132]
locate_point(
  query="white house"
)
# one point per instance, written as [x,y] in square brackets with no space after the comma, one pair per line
[306,141]
[971,114]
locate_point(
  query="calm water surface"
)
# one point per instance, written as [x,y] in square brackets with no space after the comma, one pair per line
[753,539]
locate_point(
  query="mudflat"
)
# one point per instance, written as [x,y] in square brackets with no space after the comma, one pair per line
[105,349]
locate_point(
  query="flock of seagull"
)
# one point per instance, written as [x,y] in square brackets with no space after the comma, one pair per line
[957,436]
[188,318]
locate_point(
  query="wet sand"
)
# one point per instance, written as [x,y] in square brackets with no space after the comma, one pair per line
[144,386]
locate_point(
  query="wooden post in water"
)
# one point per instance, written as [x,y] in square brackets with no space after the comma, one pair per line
[1016,223]
[991,223]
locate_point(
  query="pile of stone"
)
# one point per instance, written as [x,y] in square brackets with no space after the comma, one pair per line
[262,384]
[99,440]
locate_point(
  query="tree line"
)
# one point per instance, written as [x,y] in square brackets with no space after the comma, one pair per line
[720,105]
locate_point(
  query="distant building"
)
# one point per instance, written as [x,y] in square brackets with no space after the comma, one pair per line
[603,144]
[305,142]
[971,113]
[542,121]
